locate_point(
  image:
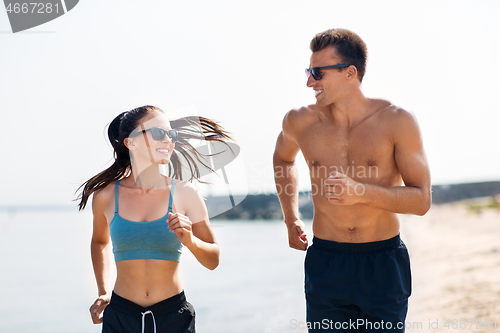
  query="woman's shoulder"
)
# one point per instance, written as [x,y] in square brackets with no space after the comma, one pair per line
[185,187]
[105,196]
[189,200]
[187,193]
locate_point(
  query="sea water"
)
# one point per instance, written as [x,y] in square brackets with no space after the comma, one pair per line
[47,282]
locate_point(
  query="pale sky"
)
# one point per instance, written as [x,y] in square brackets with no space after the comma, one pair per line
[241,63]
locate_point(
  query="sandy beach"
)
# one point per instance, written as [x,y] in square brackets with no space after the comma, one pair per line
[455,258]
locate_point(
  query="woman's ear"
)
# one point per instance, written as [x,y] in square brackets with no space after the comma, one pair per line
[129,143]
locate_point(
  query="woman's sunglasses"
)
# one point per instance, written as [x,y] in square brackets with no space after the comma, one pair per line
[316,71]
[158,134]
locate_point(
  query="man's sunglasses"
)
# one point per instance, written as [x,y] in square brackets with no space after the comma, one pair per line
[158,134]
[316,71]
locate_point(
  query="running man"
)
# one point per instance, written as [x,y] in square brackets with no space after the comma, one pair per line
[367,164]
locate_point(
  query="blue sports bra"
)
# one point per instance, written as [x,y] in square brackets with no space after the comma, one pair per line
[144,240]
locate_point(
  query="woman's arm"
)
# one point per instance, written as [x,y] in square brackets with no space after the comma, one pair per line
[193,228]
[100,249]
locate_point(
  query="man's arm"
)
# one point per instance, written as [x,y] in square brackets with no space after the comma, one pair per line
[287,181]
[415,196]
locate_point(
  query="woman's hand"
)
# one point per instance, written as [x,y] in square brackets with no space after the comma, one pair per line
[182,226]
[97,308]
[194,231]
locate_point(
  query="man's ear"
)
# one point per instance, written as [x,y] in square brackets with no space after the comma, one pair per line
[129,143]
[351,72]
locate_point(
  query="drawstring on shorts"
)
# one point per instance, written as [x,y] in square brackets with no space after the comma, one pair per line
[144,315]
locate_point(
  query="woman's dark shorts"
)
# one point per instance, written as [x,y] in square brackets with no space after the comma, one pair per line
[173,315]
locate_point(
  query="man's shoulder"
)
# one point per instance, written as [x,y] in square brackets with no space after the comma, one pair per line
[296,119]
[303,111]
[301,114]
[392,112]
[398,121]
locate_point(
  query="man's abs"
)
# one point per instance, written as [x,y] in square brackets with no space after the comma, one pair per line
[353,224]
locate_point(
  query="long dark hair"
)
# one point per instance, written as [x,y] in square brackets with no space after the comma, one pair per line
[194,127]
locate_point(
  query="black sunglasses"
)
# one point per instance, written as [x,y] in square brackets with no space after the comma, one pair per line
[316,71]
[158,134]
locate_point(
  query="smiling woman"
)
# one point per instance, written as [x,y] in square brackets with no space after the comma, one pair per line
[124,126]
[135,206]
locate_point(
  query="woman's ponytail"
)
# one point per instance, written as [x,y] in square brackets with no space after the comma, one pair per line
[119,169]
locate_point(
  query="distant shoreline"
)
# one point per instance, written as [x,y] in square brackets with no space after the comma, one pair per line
[267,206]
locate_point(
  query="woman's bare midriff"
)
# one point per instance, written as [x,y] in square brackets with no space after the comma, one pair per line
[147,281]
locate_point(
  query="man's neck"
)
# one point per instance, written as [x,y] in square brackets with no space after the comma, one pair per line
[351,109]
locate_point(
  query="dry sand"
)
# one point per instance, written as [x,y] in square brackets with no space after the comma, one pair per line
[455,259]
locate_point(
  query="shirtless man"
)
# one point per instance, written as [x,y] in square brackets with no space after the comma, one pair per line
[360,152]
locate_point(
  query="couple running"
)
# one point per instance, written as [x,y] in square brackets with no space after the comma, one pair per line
[360,152]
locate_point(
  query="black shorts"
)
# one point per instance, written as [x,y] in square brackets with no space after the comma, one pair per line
[357,287]
[173,315]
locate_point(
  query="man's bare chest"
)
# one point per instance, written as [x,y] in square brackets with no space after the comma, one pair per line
[362,152]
